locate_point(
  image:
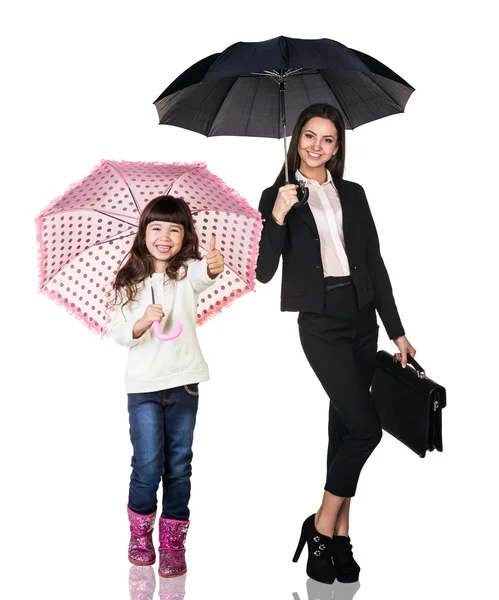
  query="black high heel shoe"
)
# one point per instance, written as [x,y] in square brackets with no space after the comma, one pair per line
[348,569]
[320,564]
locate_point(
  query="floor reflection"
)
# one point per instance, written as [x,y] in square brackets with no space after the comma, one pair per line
[141,583]
[322,591]
[172,588]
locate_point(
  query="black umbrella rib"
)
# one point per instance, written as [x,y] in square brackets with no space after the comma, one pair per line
[284,45]
[378,68]
[364,104]
[220,105]
[300,79]
[197,71]
[321,57]
[126,183]
[339,103]
[255,49]
[205,100]
[338,71]
[387,93]
[252,103]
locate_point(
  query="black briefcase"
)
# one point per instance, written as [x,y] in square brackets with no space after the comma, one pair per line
[409,404]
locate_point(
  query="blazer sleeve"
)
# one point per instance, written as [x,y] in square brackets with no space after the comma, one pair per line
[384,300]
[272,238]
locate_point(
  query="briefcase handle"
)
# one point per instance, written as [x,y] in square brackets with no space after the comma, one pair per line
[412,361]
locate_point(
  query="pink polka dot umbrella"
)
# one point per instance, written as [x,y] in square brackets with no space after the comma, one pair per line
[85,234]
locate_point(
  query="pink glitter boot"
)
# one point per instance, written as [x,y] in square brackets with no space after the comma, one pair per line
[172,536]
[141,583]
[141,549]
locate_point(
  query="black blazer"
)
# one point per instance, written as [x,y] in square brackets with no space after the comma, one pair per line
[302,287]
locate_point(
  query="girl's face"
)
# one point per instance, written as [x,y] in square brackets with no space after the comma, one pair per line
[318,143]
[163,241]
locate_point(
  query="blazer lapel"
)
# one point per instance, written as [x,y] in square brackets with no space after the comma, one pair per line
[347,205]
[305,213]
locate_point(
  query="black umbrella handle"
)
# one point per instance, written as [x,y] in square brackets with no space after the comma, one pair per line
[303,194]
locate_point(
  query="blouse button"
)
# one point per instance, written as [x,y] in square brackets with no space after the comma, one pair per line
[354,267]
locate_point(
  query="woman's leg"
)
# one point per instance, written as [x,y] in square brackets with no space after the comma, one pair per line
[336,433]
[342,524]
[332,345]
[327,515]
[365,358]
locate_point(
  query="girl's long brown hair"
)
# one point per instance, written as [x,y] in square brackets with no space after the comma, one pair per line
[336,164]
[138,264]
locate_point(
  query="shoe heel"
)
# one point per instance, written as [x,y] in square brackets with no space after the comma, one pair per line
[300,546]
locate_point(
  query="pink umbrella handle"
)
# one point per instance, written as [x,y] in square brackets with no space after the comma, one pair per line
[163,336]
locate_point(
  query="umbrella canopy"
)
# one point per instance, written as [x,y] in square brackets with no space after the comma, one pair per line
[235,93]
[85,234]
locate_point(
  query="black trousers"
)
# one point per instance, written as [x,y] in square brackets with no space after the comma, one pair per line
[340,346]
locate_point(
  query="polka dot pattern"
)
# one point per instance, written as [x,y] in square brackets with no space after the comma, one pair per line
[85,234]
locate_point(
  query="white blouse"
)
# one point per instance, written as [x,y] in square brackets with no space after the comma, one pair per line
[325,205]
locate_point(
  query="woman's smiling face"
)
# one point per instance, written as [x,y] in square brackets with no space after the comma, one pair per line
[318,143]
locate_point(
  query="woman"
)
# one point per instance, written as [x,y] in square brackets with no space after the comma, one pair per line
[334,277]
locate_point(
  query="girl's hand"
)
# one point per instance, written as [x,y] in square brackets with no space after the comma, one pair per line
[154,312]
[214,259]
[285,200]
[405,348]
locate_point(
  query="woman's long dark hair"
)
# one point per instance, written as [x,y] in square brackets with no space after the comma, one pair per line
[336,165]
[139,264]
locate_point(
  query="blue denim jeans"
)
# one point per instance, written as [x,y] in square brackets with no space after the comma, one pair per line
[161,431]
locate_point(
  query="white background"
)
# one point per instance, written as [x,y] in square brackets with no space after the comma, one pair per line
[78,81]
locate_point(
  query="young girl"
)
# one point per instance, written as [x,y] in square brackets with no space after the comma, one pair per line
[161,281]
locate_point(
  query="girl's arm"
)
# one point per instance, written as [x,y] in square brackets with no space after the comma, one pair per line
[128,330]
[197,273]
[122,327]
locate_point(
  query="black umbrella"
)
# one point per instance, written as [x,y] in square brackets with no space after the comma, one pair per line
[248,88]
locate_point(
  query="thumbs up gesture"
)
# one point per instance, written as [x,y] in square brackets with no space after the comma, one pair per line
[215,259]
